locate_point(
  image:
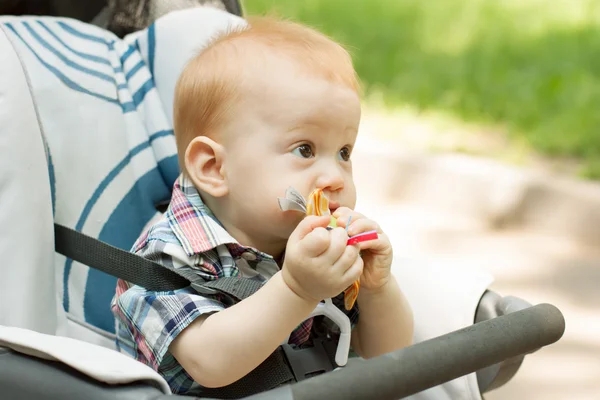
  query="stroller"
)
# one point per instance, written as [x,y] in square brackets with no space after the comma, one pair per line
[87,145]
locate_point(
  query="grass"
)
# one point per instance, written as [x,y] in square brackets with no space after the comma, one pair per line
[528,67]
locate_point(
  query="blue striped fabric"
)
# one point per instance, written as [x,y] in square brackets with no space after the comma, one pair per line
[111,151]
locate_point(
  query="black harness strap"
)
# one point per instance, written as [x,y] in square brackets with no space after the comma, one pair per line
[285,365]
[114,261]
[141,271]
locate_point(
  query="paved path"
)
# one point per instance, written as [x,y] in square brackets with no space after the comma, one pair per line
[535,266]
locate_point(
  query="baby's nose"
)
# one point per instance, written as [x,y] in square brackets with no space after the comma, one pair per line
[331,180]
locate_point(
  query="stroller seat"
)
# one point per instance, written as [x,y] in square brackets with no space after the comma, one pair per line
[87,142]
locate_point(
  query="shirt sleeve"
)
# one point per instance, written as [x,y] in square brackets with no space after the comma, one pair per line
[148,321]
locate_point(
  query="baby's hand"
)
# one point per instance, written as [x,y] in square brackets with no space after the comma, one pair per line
[318,263]
[376,254]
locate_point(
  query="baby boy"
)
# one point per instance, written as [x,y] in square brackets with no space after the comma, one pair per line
[273,105]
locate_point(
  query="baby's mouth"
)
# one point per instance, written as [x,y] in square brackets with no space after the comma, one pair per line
[333,206]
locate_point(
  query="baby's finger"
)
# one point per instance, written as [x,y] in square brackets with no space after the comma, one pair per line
[347,219]
[343,213]
[363,225]
[308,224]
[315,243]
[337,245]
[381,245]
[353,272]
[347,258]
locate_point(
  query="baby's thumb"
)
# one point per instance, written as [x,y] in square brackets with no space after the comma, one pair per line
[308,224]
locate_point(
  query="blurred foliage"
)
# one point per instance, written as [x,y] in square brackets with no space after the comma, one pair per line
[529,66]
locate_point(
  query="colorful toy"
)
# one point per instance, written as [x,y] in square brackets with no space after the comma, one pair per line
[318,204]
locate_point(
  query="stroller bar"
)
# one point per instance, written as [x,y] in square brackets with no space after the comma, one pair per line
[390,376]
[435,361]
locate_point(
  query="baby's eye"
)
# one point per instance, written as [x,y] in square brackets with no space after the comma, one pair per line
[304,151]
[344,154]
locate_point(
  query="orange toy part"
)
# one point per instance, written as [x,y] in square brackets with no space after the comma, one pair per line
[317,204]
[351,294]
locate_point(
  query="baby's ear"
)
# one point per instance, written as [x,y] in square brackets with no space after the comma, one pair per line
[204,160]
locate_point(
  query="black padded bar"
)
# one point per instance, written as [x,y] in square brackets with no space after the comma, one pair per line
[391,376]
[435,361]
[23,377]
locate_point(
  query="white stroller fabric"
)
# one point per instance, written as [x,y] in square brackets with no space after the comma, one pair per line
[110,149]
[86,140]
[98,362]
[28,294]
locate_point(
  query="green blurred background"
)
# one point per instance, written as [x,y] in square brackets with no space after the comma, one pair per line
[529,69]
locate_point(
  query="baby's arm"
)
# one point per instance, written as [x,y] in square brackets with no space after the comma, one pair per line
[220,349]
[385,323]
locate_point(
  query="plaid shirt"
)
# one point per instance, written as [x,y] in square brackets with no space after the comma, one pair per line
[188,237]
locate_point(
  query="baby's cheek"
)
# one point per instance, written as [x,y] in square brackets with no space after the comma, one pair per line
[289,220]
[350,194]
[351,203]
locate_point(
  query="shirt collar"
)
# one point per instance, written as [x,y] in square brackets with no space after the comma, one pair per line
[193,223]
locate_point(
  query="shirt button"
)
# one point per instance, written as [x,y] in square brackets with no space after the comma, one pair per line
[248,256]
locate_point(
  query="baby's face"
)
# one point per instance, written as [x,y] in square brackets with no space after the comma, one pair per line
[294,131]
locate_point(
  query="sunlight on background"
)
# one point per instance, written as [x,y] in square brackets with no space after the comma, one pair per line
[527,68]
[512,80]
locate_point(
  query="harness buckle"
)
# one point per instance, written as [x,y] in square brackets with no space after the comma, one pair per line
[308,362]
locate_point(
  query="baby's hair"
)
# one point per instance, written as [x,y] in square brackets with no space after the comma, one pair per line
[209,84]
